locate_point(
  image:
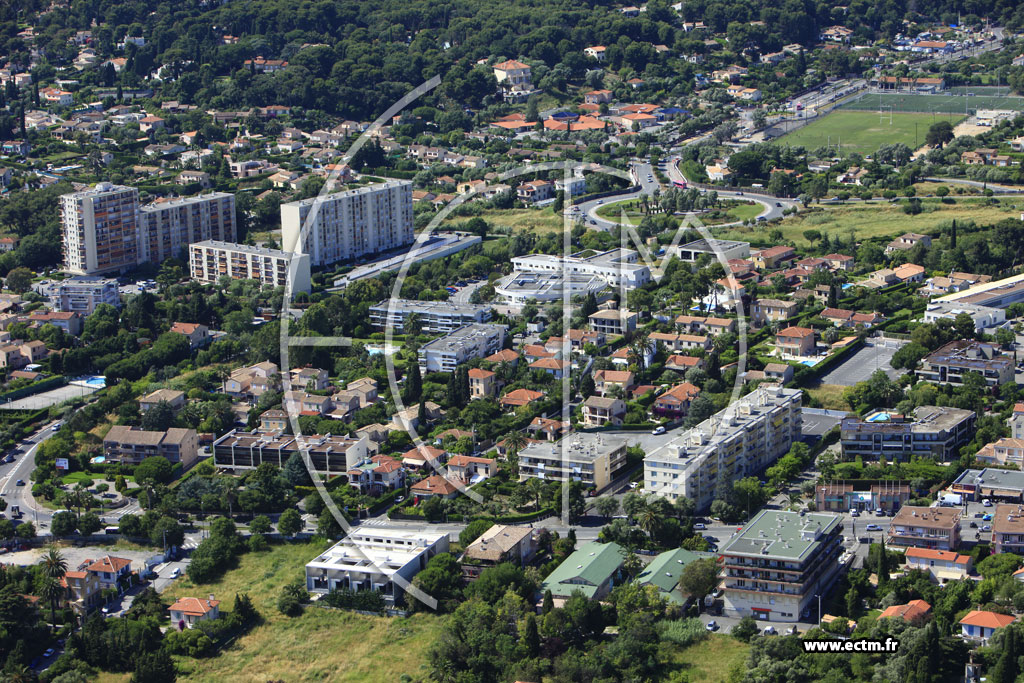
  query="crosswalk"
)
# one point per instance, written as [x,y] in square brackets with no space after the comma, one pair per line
[190,544]
[376,521]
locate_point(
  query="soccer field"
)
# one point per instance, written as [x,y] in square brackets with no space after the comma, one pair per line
[953,102]
[863,132]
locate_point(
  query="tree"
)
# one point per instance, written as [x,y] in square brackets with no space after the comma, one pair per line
[19,280]
[607,506]
[89,523]
[55,566]
[939,134]
[413,388]
[26,530]
[154,667]
[63,524]
[745,629]
[473,531]
[159,418]
[1007,667]
[290,522]
[260,524]
[531,636]
[699,578]
[154,470]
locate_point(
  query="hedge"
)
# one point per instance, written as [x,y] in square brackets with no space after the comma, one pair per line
[35,388]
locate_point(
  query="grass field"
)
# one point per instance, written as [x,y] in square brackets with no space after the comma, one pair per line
[522,220]
[712,660]
[830,396]
[862,132]
[739,212]
[319,645]
[945,103]
[878,219]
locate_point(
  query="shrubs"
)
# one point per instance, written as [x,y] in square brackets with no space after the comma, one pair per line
[190,643]
[292,598]
[364,601]
[682,632]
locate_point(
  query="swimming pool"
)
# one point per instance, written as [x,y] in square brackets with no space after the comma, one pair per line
[809,363]
[98,381]
[878,417]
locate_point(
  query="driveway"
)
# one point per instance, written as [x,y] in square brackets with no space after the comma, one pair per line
[861,365]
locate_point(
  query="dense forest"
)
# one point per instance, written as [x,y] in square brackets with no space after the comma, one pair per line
[336,49]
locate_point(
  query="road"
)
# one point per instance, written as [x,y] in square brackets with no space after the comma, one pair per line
[20,469]
[773,206]
[995,187]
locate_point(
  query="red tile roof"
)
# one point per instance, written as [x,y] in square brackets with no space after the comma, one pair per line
[194,606]
[987,619]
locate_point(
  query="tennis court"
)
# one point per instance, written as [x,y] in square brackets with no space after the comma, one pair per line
[956,101]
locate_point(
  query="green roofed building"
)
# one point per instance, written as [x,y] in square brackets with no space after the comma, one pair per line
[664,571]
[593,570]
[781,560]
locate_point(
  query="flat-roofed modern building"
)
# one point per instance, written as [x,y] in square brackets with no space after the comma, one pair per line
[379,559]
[934,432]
[590,458]
[743,439]
[466,343]
[210,260]
[984,317]
[168,226]
[774,568]
[951,362]
[80,293]
[692,251]
[935,528]
[996,294]
[617,268]
[520,287]
[1008,529]
[100,229]
[346,225]
[995,484]
[330,454]
[432,316]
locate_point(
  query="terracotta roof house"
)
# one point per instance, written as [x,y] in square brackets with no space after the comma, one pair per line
[187,612]
[520,397]
[915,610]
[434,485]
[980,625]
[423,456]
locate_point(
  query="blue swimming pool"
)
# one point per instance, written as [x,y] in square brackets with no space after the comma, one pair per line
[879,417]
[809,363]
[97,381]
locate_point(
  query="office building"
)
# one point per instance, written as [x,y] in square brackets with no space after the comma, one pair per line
[466,343]
[350,224]
[984,317]
[79,294]
[777,565]
[951,362]
[209,260]
[935,528]
[746,437]
[520,287]
[994,484]
[380,559]
[168,226]
[132,445]
[330,454]
[100,229]
[933,432]
[431,316]
[693,251]
[996,294]
[888,496]
[616,268]
[590,458]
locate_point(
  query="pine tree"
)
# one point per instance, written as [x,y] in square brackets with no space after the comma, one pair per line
[531,637]
[1006,669]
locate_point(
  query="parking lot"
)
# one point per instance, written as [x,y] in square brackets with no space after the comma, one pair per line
[817,422]
[874,355]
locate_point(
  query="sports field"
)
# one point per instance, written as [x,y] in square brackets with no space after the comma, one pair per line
[863,132]
[956,101]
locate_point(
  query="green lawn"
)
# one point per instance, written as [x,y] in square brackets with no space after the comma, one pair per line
[953,102]
[319,645]
[737,212]
[878,218]
[712,660]
[524,220]
[863,132]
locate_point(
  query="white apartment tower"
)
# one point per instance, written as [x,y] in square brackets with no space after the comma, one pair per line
[350,224]
[100,229]
[168,226]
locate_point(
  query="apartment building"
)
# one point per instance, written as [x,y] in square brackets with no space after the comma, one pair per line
[168,226]
[952,361]
[1016,421]
[590,458]
[350,224]
[501,543]
[210,260]
[777,565]
[470,341]
[79,294]
[1008,529]
[691,252]
[132,445]
[100,229]
[330,454]
[431,316]
[940,565]
[740,440]
[613,321]
[933,432]
[380,559]
[935,528]
[253,381]
[1005,451]
[616,268]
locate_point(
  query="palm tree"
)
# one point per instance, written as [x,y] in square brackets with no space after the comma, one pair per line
[54,569]
[639,348]
[515,442]
[51,590]
[648,519]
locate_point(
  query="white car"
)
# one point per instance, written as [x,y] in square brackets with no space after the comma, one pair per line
[712,625]
[770,631]
[854,513]
[658,431]
[176,572]
[987,503]
[874,527]
[699,527]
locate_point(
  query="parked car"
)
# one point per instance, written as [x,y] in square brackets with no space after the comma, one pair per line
[770,631]
[658,430]
[712,625]
[987,527]
[176,572]
[49,652]
[699,527]
[986,503]
[854,513]
[874,527]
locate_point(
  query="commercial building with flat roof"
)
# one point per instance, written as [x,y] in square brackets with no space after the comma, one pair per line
[779,562]
[591,458]
[520,287]
[996,484]
[211,259]
[380,559]
[888,496]
[692,251]
[934,432]
[432,316]
[617,268]
[466,343]
[350,224]
[330,454]
[936,528]
[996,294]
[741,440]
[984,317]
[949,364]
